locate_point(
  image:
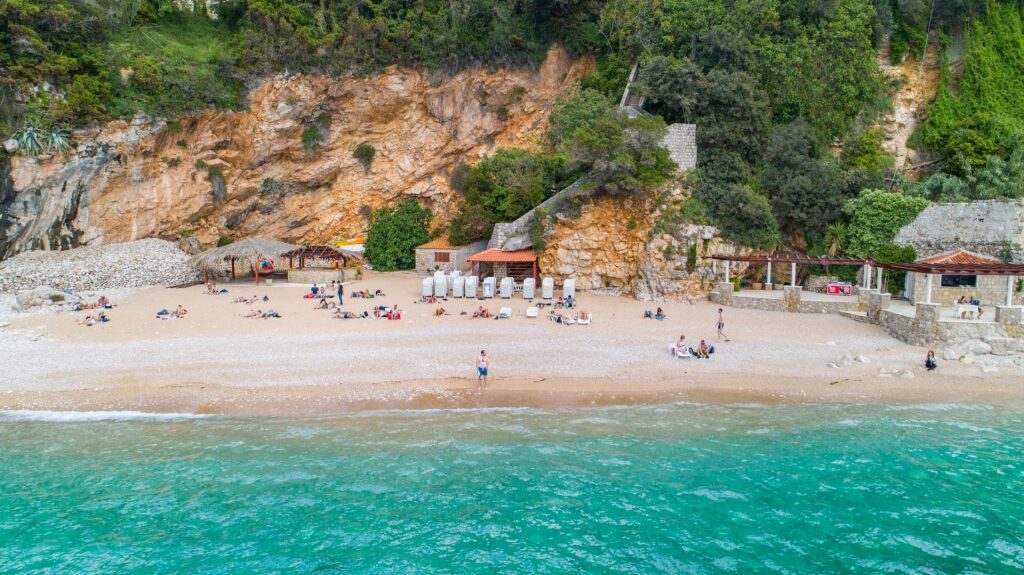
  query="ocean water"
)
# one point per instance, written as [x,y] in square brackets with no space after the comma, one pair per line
[650,489]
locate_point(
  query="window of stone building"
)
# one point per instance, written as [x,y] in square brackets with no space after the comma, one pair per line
[442,257]
[959,281]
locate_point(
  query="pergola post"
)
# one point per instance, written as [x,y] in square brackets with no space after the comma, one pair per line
[879,279]
[232,268]
[792,274]
[726,271]
[867,276]
[769,280]
[1009,290]
[928,296]
[256,270]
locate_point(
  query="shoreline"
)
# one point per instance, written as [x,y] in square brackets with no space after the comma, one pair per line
[326,400]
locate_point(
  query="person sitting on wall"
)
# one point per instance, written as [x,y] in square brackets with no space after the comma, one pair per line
[976,302]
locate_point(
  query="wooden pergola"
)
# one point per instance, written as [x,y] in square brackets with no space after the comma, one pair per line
[1010,271]
[319,252]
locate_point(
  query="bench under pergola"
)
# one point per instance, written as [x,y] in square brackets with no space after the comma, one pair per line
[318,253]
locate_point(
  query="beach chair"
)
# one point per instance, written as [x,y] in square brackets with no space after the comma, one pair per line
[428,287]
[590,318]
[547,288]
[488,288]
[459,287]
[472,283]
[683,353]
[529,288]
[440,285]
[452,276]
[532,312]
[569,288]
[504,313]
[506,288]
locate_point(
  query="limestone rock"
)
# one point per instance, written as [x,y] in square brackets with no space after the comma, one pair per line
[39,297]
[247,173]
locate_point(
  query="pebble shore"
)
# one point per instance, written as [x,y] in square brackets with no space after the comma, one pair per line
[128,265]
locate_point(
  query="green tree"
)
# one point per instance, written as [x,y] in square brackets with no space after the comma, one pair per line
[803,186]
[394,234]
[876,216]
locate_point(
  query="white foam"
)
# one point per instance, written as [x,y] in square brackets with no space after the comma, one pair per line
[86,416]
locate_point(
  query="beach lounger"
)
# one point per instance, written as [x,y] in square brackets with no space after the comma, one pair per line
[506,288]
[682,353]
[459,287]
[590,318]
[529,288]
[489,285]
[532,312]
[440,285]
[504,313]
[547,288]
[569,288]
[472,283]
[452,276]
[428,287]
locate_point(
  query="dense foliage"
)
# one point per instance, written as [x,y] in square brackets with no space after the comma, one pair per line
[394,234]
[73,62]
[984,116]
[876,216]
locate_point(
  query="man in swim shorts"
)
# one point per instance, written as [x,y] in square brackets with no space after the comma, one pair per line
[481,368]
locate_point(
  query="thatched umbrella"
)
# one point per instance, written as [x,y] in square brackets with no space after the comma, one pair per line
[251,250]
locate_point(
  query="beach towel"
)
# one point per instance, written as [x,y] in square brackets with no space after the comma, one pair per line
[163,312]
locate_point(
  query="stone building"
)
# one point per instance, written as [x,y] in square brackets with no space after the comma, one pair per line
[440,254]
[947,289]
[982,232]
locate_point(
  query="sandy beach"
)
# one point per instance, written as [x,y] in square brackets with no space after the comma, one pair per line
[217,361]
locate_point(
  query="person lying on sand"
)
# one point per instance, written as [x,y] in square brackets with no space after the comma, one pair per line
[378,293]
[324,304]
[425,299]
[87,321]
[243,299]
[482,312]
[254,313]
[339,314]
[439,311]
[270,313]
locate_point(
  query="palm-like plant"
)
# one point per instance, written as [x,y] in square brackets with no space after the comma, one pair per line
[59,142]
[31,140]
[835,237]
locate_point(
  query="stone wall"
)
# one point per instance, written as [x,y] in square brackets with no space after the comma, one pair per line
[426,264]
[994,228]
[790,302]
[681,142]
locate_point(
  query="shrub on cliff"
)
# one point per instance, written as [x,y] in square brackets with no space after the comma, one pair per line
[876,216]
[365,153]
[394,234]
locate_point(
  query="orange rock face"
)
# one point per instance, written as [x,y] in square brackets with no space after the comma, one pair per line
[247,173]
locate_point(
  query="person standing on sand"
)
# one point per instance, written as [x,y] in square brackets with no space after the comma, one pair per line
[721,326]
[341,292]
[481,368]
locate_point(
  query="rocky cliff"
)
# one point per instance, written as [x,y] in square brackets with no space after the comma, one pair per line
[634,246]
[283,168]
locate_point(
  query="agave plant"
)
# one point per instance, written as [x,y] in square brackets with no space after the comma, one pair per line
[31,140]
[59,142]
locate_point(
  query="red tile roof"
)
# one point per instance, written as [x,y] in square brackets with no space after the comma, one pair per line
[959,257]
[496,255]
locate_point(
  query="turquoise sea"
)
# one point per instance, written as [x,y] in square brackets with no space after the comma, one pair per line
[650,489]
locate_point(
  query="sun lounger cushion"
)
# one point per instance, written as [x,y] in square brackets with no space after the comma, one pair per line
[532,312]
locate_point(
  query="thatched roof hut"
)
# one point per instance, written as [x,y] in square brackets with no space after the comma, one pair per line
[252,251]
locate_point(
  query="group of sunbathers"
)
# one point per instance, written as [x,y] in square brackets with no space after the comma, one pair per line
[430,299]
[565,318]
[90,320]
[211,289]
[681,349]
[658,315]
[178,313]
[249,300]
[258,313]
[102,303]
[368,294]
[482,312]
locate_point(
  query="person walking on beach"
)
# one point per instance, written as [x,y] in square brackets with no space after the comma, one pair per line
[481,369]
[341,292]
[721,326]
